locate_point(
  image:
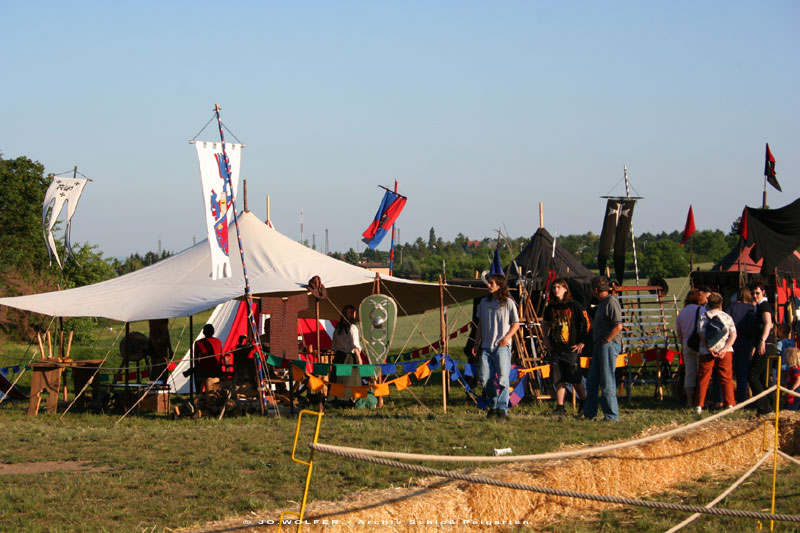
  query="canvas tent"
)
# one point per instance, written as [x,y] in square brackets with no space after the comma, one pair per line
[544,259]
[230,322]
[181,285]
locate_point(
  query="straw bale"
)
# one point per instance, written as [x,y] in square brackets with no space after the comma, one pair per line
[436,504]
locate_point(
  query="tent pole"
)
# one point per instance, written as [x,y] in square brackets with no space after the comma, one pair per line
[248,297]
[191,358]
[541,215]
[443,329]
[391,249]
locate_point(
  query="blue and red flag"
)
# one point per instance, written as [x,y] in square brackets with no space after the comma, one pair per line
[391,206]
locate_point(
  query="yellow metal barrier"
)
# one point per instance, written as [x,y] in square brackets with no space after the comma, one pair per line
[309,464]
[777,421]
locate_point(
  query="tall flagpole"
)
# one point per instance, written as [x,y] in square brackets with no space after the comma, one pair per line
[391,250]
[248,297]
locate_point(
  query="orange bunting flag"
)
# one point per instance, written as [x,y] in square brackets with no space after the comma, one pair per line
[422,371]
[402,382]
[585,361]
[336,390]
[297,374]
[315,383]
[545,371]
[360,392]
[634,358]
[381,389]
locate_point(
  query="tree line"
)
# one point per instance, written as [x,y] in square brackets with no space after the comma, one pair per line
[25,267]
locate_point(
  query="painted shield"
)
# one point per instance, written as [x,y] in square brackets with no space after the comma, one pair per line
[378,315]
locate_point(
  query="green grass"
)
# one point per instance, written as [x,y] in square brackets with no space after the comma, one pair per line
[160,474]
[167,474]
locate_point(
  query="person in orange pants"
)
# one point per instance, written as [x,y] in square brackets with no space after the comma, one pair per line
[717,333]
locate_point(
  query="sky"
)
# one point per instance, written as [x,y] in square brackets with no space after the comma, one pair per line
[480,111]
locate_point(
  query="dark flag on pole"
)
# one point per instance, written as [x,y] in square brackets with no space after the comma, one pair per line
[689,228]
[769,170]
[622,235]
[607,234]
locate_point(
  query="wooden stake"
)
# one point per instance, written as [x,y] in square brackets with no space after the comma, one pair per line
[49,345]
[69,343]
[541,215]
[244,195]
[41,345]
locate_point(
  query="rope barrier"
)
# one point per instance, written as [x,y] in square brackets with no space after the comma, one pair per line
[788,457]
[724,494]
[330,448]
[557,492]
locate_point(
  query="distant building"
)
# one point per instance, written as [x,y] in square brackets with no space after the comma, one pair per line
[380,268]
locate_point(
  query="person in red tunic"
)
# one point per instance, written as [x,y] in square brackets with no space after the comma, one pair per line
[208,359]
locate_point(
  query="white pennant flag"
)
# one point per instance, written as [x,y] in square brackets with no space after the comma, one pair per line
[217,199]
[61,191]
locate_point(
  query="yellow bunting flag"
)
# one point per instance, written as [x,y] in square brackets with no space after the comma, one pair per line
[621,360]
[381,389]
[402,382]
[545,370]
[422,371]
[315,383]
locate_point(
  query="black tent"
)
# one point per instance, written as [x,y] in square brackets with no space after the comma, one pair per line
[544,260]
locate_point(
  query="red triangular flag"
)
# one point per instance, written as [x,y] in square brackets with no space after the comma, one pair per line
[689,228]
[743,225]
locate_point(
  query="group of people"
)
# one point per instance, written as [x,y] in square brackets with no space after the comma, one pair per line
[568,332]
[737,342]
[716,344]
[734,347]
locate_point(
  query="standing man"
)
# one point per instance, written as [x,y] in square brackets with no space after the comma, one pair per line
[606,333]
[498,321]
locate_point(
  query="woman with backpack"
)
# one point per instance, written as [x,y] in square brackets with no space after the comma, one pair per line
[686,326]
[717,334]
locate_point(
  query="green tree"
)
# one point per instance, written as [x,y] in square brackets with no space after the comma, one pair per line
[431,239]
[352,257]
[664,259]
[22,188]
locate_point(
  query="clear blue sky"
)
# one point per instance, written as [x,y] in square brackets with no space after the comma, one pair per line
[481,110]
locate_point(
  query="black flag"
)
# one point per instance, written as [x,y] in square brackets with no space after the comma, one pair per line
[621,239]
[607,234]
[769,170]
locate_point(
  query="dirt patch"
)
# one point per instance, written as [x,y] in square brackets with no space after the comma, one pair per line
[722,448]
[41,467]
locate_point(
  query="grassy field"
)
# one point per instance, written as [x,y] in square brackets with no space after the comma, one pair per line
[150,473]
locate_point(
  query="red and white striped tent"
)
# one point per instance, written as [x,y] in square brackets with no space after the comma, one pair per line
[230,323]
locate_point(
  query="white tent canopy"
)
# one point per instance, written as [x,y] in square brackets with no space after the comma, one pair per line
[181,285]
